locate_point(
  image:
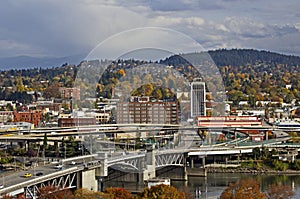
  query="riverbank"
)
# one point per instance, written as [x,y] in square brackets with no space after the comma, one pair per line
[250,170]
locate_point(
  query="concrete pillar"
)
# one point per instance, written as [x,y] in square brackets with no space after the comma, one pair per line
[139,177]
[192,162]
[140,173]
[185,174]
[149,173]
[203,162]
[79,180]
[100,184]
[150,164]
[102,171]
[293,158]
[153,155]
[89,180]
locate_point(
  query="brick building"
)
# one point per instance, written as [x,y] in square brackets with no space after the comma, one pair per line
[49,107]
[142,110]
[80,121]
[6,116]
[33,117]
[68,93]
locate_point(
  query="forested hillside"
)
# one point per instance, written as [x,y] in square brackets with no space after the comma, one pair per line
[249,75]
[239,57]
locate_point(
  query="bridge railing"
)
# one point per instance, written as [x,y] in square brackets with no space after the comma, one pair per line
[39,180]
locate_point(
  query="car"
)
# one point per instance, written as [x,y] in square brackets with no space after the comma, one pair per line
[72,163]
[39,174]
[27,175]
[1,186]
[59,166]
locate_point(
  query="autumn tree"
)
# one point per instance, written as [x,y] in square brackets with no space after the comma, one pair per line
[122,72]
[188,192]
[117,193]
[6,196]
[52,91]
[87,194]
[161,192]
[243,189]
[157,94]
[51,192]
[19,85]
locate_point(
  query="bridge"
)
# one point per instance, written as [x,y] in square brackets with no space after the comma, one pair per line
[87,170]
[142,163]
[126,128]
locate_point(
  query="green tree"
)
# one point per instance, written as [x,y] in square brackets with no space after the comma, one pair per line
[296,165]
[279,165]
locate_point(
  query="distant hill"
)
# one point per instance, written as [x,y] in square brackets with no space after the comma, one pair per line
[247,74]
[222,57]
[239,57]
[27,62]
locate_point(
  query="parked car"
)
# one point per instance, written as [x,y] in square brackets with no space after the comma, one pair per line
[1,186]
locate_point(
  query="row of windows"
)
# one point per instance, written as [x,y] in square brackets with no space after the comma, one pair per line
[147,105]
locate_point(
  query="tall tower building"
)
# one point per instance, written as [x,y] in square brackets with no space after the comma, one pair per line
[198,98]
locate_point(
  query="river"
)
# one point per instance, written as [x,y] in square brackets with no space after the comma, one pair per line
[214,184]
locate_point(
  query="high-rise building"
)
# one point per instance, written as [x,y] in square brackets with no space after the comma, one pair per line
[198,98]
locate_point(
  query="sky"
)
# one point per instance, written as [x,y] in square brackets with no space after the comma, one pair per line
[57,28]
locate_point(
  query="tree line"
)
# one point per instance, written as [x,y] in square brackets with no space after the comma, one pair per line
[248,75]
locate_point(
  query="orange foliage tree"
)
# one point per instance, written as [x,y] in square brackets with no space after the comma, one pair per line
[117,193]
[7,196]
[88,194]
[161,192]
[244,189]
[51,192]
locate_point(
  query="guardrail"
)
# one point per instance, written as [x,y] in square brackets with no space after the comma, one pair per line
[39,179]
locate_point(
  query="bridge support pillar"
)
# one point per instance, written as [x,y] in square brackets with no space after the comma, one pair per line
[150,167]
[185,174]
[100,184]
[149,172]
[192,162]
[102,171]
[89,180]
